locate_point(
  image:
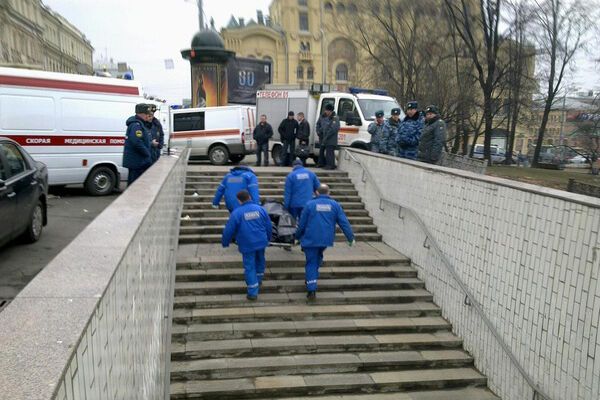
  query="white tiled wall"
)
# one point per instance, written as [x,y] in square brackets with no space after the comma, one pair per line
[530,255]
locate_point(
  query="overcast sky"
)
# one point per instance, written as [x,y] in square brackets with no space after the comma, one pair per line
[144,33]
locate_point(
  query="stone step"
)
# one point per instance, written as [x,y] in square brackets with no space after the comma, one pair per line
[278,191]
[205,205]
[469,393]
[259,173]
[327,297]
[218,229]
[300,312]
[200,198]
[264,185]
[182,333]
[221,221]
[267,179]
[210,212]
[313,344]
[216,238]
[306,385]
[311,364]
[285,272]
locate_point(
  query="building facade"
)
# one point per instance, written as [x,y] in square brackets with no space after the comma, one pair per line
[34,36]
[109,68]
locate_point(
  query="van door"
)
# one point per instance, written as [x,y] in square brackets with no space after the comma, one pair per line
[350,121]
[188,130]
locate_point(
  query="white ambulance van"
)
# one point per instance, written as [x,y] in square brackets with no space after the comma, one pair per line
[220,134]
[72,123]
[356,110]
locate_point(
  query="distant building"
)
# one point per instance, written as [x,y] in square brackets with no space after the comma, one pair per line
[34,36]
[110,68]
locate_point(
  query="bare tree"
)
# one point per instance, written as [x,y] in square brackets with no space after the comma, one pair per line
[588,134]
[559,30]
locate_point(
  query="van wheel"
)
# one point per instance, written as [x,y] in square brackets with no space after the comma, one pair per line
[101,181]
[218,155]
[276,155]
[236,158]
[35,225]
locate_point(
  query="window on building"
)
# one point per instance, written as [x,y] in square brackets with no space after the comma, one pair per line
[341,72]
[300,73]
[303,19]
[303,3]
[341,8]
[310,73]
[328,7]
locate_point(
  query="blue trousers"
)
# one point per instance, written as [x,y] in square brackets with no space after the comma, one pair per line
[254,270]
[134,174]
[296,211]
[314,259]
[288,153]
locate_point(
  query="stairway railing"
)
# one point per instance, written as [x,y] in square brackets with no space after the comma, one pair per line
[470,300]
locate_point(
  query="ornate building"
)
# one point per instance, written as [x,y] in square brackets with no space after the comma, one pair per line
[34,36]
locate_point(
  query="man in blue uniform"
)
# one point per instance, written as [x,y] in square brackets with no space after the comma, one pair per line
[387,144]
[409,133]
[137,157]
[157,134]
[250,225]
[300,186]
[239,178]
[328,127]
[316,232]
[375,129]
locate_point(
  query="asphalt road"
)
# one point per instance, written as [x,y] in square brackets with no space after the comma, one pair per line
[70,210]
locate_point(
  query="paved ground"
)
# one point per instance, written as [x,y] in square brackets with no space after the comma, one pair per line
[70,210]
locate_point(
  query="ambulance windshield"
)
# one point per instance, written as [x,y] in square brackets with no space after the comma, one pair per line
[370,106]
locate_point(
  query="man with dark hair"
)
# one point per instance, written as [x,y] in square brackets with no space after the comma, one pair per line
[433,137]
[316,232]
[250,225]
[409,133]
[262,133]
[239,178]
[287,132]
[303,135]
[328,127]
[300,186]
[137,156]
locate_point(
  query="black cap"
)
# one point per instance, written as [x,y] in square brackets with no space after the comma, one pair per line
[379,114]
[329,107]
[396,111]
[142,108]
[412,105]
[432,109]
[290,114]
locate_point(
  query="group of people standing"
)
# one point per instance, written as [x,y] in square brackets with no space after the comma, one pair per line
[250,227]
[144,141]
[296,127]
[419,136]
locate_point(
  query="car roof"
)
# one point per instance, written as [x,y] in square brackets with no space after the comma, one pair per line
[5,139]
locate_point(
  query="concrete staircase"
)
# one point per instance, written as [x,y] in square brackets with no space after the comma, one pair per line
[374,332]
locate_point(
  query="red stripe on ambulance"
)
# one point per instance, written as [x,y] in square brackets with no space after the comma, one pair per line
[55,140]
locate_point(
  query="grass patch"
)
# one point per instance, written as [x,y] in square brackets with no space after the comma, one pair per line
[544,177]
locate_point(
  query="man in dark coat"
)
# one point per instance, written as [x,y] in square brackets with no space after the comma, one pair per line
[328,127]
[375,129]
[262,133]
[137,156]
[287,132]
[409,133]
[433,137]
[157,133]
[303,135]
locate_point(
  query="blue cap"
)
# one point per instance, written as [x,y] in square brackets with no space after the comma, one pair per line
[379,114]
[396,111]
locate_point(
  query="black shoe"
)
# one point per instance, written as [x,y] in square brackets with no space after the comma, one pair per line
[251,298]
[311,296]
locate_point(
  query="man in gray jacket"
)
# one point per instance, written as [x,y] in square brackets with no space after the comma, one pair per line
[433,137]
[328,127]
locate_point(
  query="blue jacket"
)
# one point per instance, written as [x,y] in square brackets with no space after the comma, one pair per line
[386,142]
[250,225]
[136,153]
[156,133]
[318,220]
[238,178]
[407,138]
[300,186]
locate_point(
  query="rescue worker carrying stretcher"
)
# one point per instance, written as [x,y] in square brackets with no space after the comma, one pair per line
[300,187]
[239,178]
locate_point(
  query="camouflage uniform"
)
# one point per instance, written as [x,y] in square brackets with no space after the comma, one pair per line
[387,144]
[376,132]
[407,139]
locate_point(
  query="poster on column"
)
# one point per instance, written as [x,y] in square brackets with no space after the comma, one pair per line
[246,76]
[209,85]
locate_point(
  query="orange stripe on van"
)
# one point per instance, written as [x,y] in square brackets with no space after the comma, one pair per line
[350,130]
[206,133]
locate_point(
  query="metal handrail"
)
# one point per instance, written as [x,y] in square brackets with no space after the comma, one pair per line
[470,299]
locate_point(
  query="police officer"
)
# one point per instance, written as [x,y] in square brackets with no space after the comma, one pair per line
[157,133]
[238,178]
[433,137]
[390,130]
[287,132]
[250,225]
[409,133]
[328,127]
[316,232]
[376,130]
[300,186]
[137,156]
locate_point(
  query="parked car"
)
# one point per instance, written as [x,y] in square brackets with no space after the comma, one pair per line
[23,194]
[496,152]
[578,159]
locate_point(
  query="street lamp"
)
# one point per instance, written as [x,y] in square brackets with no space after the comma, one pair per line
[200,5]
